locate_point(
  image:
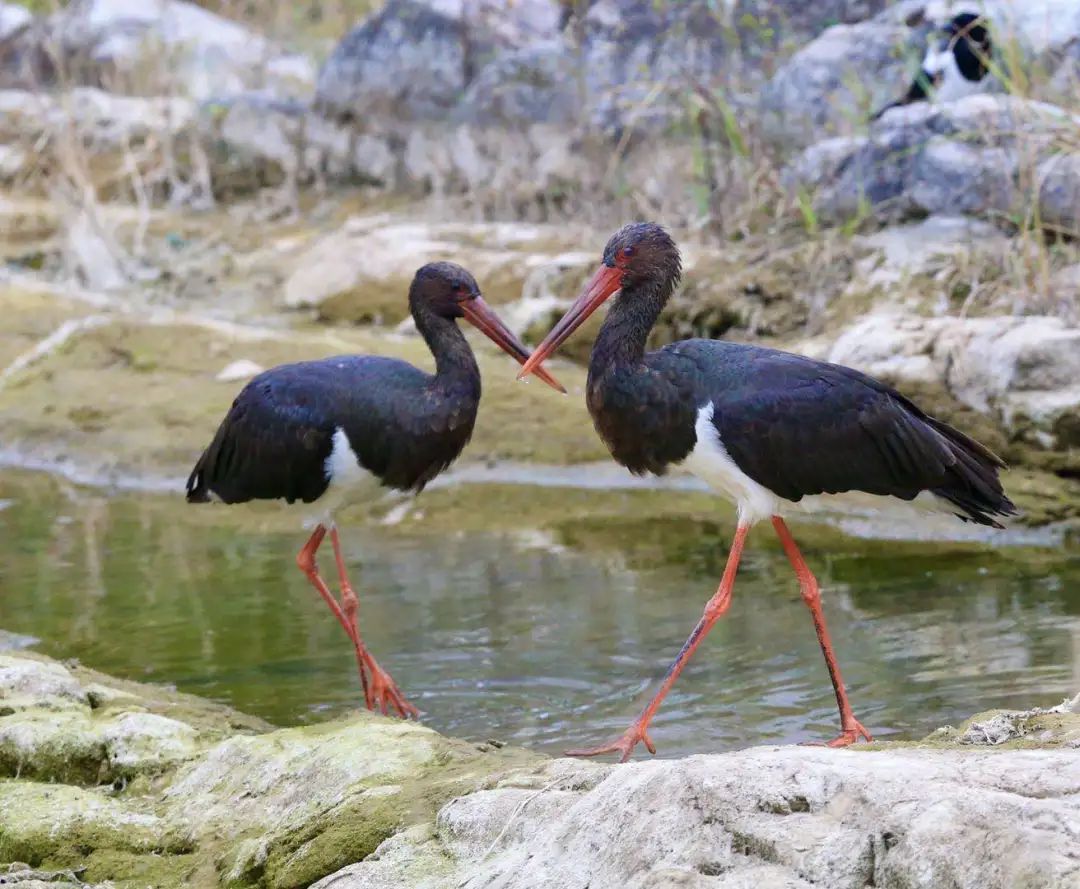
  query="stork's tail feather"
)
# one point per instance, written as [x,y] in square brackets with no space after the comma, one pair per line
[975,487]
[881,111]
[197,492]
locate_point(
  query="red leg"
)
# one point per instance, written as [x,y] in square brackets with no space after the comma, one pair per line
[306,560]
[384,691]
[850,727]
[714,610]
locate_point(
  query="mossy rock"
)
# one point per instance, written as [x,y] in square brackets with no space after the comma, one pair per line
[58,825]
[29,317]
[110,396]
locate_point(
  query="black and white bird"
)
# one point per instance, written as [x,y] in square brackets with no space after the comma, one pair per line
[329,432]
[773,432]
[955,65]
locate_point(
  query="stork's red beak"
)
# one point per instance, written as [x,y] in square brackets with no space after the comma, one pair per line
[479,314]
[603,284]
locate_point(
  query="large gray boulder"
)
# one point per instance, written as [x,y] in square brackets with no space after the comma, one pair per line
[624,62]
[767,818]
[971,156]
[413,59]
[1036,25]
[832,85]
[1024,371]
[1059,191]
[13,21]
[174,46]
[24,62]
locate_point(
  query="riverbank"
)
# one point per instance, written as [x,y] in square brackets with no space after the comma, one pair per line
[137,785]
[123,387]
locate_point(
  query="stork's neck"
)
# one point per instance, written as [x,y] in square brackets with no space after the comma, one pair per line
[454,359]
[626,328]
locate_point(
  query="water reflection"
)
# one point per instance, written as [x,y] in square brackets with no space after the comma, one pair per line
[540,638]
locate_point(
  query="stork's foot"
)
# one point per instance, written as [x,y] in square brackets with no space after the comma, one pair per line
[853,730]
[383,693]
[624,746]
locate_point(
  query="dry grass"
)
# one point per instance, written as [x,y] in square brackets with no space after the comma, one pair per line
[717,176]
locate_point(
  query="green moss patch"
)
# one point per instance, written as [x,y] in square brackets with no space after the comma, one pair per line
[144,398]
[29,317]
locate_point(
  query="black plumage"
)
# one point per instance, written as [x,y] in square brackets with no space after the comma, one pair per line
[336,425]
[795,425]
[967,38]
[802,427]
[405,426]
[765,428]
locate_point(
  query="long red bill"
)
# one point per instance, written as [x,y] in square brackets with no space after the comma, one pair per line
[479,314]
[603,284]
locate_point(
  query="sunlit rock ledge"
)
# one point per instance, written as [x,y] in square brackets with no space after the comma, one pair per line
[115,783]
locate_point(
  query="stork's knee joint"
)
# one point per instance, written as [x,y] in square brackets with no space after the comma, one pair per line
[811,592]
[305,561]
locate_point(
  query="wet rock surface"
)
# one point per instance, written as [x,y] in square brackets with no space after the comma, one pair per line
[371,802]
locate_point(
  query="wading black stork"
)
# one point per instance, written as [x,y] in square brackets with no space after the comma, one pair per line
[771,431]
[332,431]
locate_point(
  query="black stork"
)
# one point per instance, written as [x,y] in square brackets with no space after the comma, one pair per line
[954,66]
[772,431]
[332,431]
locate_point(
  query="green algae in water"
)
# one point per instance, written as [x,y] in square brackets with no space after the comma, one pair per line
[546,631]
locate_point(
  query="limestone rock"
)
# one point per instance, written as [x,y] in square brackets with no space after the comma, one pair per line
[534,84]
[823,89]
[24,60]
[241,369]
[426,60]
[28,683]
[1059,191]
[270,781]
[362,272]
[970,156]
[108,133]
[99,119]
[13,20]
[1023,370]
[1037,25]
[173,44]
[137,742]
[765,817]
[62,724]
[211,797]
[33,816]
[413,59]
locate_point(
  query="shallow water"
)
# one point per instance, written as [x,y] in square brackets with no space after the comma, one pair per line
[541,638]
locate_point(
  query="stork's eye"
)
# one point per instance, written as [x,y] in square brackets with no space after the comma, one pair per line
[457,288]
[628,251]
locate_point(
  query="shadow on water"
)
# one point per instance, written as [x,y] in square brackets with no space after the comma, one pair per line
[539,637]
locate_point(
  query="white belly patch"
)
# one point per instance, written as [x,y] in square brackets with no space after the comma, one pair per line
[348,481]
[710,462]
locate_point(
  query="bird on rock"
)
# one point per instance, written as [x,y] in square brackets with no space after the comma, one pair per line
[771,431]
[955,65]
[329,432]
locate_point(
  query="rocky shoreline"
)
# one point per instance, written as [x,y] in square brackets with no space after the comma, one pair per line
[89,377]
[107,782]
